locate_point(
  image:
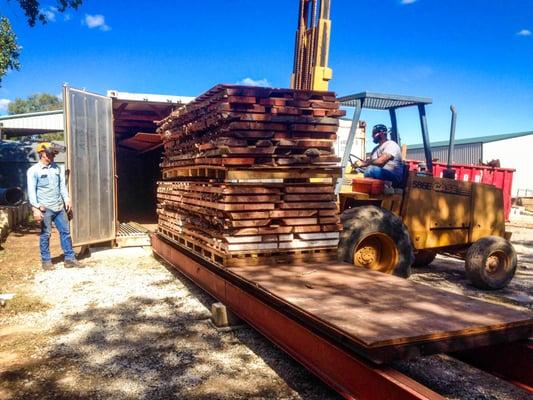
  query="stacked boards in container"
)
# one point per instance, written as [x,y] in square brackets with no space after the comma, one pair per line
[249,176]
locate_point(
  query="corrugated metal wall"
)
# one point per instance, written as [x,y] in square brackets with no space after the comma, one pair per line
[470,153]
[513,153]
[90,158]
[46,121]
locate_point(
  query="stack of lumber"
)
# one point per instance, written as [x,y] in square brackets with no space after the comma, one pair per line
[249,174]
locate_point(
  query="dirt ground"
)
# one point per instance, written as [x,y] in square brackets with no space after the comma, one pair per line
[128,327]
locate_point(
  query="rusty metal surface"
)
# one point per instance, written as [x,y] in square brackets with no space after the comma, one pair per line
[380,310]
[377,316]
[513,362]
[345,372]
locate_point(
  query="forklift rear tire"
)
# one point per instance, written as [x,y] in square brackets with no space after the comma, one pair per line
[490,263]
[376,239]
[423,258]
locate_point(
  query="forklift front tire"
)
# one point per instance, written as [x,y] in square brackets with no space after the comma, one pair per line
[490,263]
[376,239]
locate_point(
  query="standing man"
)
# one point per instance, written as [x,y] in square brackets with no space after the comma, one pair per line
[50,202]
[385,161]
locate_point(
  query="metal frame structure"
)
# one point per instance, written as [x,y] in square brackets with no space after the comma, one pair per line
[89,138]
[509,361]
[390,102]
[89,118]
[348,374]
[343,370]
[311,53]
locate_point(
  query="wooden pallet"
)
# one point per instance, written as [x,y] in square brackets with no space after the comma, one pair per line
[236,174]
[245,259]
[220,240]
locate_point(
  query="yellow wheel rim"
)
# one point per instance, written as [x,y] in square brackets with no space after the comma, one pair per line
[496,264]
[376,252]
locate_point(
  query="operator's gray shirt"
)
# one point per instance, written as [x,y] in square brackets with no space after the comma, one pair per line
[394,165]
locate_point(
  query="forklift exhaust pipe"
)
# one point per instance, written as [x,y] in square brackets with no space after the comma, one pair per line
[450,172]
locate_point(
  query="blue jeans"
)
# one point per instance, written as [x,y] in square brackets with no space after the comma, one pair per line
[60,219]
[373,171]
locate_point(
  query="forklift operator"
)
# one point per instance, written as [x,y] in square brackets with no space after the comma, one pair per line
[385,161]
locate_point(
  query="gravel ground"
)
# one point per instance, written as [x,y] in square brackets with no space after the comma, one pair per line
[448,273]
[128,327]
[451,377]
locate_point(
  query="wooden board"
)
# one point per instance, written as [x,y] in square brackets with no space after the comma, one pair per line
[230,126]
[384,316]
[245,168]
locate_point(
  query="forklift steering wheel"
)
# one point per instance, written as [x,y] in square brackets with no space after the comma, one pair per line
[354,165]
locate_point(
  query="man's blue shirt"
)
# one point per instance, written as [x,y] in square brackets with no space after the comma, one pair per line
[46,186]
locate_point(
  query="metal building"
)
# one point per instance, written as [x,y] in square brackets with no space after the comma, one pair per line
[511,149]
[112,159]
[31,123]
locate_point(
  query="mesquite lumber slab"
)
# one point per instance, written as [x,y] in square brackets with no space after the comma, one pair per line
[248,175]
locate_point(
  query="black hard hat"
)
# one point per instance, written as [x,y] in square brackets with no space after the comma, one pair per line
[379,128]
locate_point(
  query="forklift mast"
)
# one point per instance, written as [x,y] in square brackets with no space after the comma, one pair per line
[311,71]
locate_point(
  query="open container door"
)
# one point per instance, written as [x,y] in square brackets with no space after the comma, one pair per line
[90,165]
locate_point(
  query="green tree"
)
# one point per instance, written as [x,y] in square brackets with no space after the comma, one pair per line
[35,103]
[9,48]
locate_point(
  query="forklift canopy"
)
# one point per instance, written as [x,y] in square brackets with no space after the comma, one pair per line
[380,101]
[390,102]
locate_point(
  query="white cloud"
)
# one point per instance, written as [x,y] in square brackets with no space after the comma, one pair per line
[67,17]
[524,32]
[254,82]
[96,21]
[3,105]
[408,1]
[49,13]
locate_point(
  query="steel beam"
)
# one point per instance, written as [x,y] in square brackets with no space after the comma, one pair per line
[346,373]
[513,362]
[394,126]
[349,143]
[425,137]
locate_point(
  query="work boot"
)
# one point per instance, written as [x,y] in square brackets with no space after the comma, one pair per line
[73,264]
[48,266]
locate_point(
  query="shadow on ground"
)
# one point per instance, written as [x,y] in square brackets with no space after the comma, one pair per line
[146,348]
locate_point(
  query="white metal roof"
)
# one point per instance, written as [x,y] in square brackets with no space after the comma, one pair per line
[472,140]
[46,121]
[52,121]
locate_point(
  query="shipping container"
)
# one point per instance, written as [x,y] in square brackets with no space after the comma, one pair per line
[113,156]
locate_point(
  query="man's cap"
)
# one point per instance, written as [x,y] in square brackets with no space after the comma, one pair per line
[379,128]
[47,147]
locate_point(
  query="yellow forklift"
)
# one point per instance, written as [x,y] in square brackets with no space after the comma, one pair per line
[391,231]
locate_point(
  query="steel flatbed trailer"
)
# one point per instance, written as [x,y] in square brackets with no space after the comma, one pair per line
[345,324]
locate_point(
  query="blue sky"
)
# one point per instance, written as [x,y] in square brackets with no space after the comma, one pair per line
[475,54]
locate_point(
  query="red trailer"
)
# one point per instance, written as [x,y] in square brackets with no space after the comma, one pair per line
[502,178]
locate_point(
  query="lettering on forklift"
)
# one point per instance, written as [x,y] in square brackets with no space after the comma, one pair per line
[422,185]
[442,187]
